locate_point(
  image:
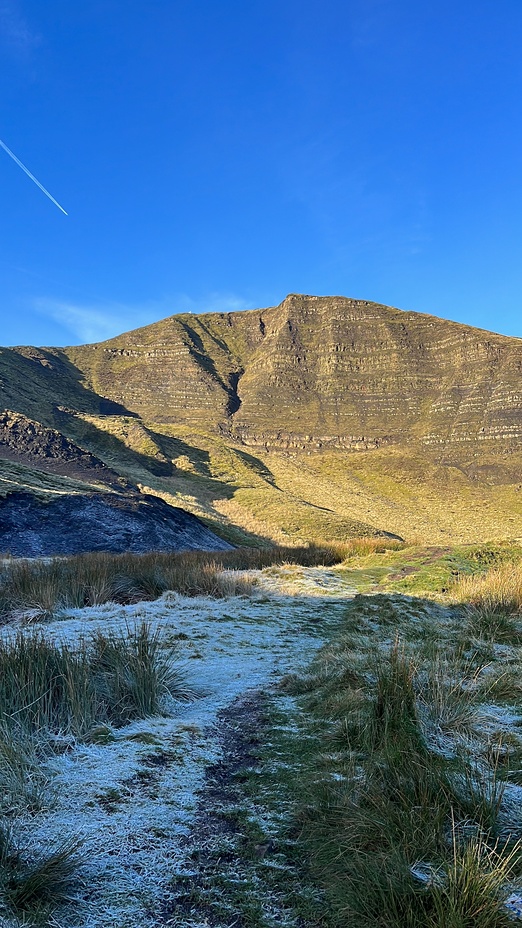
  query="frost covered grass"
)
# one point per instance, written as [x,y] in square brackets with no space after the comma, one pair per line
[405,769]
[36,589]
[128,791]
[23,782]
[52,694]
[410,756]
[32,886]
[108,677]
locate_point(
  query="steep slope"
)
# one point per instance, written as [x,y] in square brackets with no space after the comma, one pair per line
[359,375]
[39,382]
[317,371]
[185,368]
[25,441]
[58,498]
[323,416]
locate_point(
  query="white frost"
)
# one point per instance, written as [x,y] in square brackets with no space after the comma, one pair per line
[129,812]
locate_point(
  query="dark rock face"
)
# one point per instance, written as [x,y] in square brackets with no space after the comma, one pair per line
[25,441]
[73,524]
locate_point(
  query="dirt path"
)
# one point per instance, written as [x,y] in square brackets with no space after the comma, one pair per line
[193,898]
[149,804]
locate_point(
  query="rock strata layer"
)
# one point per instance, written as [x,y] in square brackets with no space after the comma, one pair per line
[317,371]
[322,417]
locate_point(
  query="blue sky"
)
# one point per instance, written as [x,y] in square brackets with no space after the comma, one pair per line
[219,154]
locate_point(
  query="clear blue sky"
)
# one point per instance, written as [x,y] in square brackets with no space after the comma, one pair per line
[218,154]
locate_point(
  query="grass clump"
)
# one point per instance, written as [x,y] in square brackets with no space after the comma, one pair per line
[23,782]
[496,591]
[133,673]
[32,884]
[408,820]
[470,888]
[394,710]
[110,678]
[491,603]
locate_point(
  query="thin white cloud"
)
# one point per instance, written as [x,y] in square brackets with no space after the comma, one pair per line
[95,323]
[88,323]
[15,32]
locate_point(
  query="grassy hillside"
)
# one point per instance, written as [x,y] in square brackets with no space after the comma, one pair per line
[320,418]
[316,372]
[285,497]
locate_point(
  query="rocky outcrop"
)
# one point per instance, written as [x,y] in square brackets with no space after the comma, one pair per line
[28,442]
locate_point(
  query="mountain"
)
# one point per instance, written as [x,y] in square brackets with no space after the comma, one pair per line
[313,371]
[320,417]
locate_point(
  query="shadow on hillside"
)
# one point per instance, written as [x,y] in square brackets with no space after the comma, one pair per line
[258,466]
[203,358]
[173,447]
[109,447]
[105,406]
[52,381]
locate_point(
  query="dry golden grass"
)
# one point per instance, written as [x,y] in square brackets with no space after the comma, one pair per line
[288,498]
[497,590]
[36,589]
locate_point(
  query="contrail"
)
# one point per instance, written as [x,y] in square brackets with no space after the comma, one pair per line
[37,182]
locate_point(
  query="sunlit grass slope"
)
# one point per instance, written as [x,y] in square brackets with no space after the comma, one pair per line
[323,417]
[283,496]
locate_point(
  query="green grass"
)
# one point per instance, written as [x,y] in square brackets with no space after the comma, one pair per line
[33,885]
[108,678]
[24,784]
[49,691]
[404,766]
[418,570]
[399,766]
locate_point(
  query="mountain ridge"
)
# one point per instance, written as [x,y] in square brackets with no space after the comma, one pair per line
[319,417]
[230,367]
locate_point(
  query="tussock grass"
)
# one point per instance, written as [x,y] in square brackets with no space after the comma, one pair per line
[469,888]
[24,785]
[410,819]
[109,678]
[493,626]
[31,886]
[394,710]
[445,695]
[33,590]
[498,590]
[134,672]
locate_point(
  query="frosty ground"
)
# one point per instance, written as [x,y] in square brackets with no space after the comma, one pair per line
[132,801]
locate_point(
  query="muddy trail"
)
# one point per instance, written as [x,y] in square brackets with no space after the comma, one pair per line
[241,866]
[180,817]
[213,848]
